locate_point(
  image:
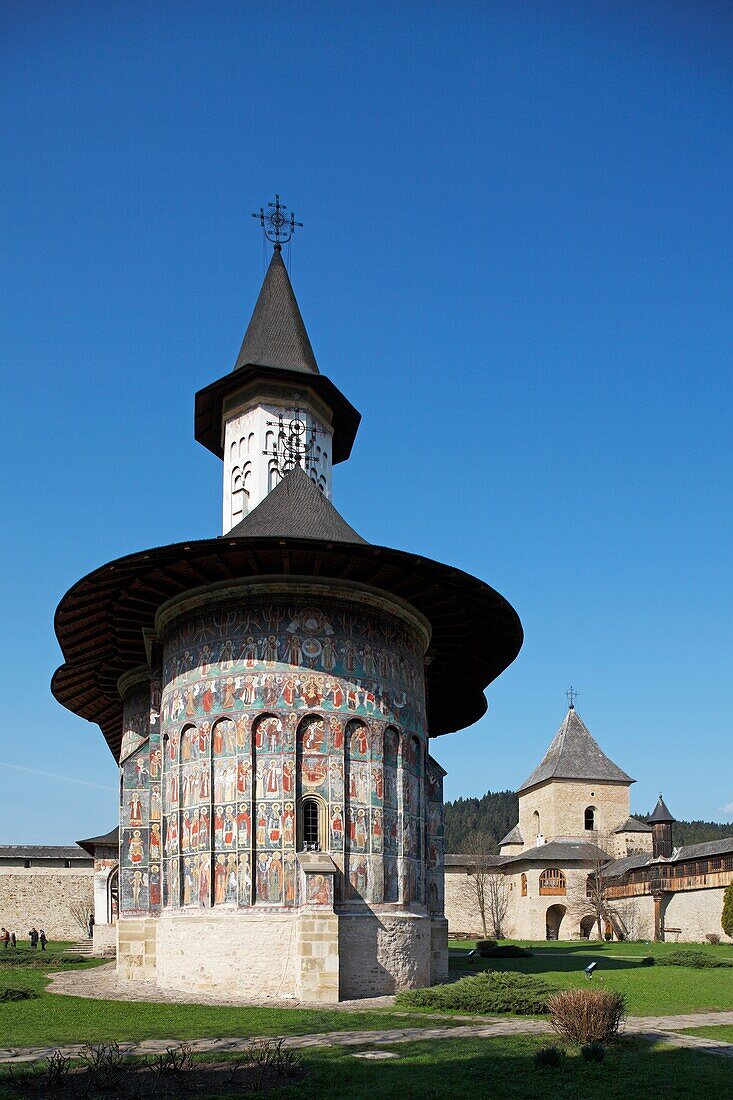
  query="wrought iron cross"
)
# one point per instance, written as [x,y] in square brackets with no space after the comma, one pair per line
[295,442]
[277,225]
[572,695]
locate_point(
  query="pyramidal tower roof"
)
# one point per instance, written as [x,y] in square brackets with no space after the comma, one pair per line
[660,814]
[295,509]
[575,754]
[276,335]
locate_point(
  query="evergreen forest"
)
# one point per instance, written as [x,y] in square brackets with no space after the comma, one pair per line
[497,812]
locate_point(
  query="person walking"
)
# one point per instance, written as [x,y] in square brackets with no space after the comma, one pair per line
[90,925]
[5,937]
[34,937]
[42,939]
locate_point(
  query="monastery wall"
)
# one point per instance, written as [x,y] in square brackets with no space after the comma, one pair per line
[697,913]
[381,954]
[44,897]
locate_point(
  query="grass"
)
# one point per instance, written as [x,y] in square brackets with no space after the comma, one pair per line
[53,1018]
[722,1032]
[650,990]
[501,1067]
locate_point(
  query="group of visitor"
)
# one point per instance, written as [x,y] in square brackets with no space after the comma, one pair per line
[9,939]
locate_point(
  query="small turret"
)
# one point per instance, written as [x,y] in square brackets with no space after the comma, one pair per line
[661,822]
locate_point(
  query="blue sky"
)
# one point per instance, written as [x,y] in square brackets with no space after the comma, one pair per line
[516,262]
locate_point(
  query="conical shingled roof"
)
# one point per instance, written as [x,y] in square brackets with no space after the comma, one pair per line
[296,508]
[574,754]
[660,814]
[276,335]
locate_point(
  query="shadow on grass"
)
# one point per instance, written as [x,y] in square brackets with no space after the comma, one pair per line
[504,1067]
[541,963]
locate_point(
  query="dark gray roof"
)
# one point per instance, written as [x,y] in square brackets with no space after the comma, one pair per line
[697,851]
[574,754]
[560,851]
[628,863]
[633,825]
[459,862]
[296,508]
[43,851]
[660,814]
[108,840]
[276,335]
[512,837]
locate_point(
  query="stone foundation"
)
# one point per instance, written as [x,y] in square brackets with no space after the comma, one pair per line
[104,940]
[383,953]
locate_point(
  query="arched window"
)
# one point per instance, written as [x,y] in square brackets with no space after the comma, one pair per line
[552,881]
[524,885]
[536,822]
[312,824]
[590,817]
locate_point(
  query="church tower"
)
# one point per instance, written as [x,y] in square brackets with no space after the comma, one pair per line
[274,410]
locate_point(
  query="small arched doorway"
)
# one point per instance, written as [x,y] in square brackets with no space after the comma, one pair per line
[587,925]
[553,921]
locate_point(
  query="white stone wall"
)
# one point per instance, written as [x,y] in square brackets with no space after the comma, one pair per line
[561,805]
[697,913]
[249,475]
[45,897]
[252,953]
[383,953]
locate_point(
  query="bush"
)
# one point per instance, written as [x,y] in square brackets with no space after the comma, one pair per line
[10,994]
[506,951]
[482,946]
[587,1015]
[549,1057]
[648,960]
[726,919]
[697,959]
[593,1052]
[490,991]
[713,937]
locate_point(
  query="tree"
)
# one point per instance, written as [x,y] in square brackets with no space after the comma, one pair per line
[727,917]
[486,885]
[593,900]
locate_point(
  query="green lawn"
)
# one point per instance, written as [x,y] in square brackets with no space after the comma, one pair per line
[723,1032]
[501,1068]
[651,990]
[53,1018]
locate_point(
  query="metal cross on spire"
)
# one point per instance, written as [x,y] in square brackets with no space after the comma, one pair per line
[572,695]
[295,441]
[278,226]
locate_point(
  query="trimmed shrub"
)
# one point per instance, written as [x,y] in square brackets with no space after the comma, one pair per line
[490,991]
[549,1057]
[482,946]
[726,919]
[10,994]
[648,960]
[712,937]
[587,1015]
[697,959]
[593,1052]
[507,951]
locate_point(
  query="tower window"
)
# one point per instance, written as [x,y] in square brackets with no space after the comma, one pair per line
[311,824]
[590,817]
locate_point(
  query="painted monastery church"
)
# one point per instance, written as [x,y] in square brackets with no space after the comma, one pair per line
[271,696]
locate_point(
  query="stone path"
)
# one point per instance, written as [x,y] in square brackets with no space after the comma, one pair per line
[660,1028]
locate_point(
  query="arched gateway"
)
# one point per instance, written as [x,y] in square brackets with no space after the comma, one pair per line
[269,696]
